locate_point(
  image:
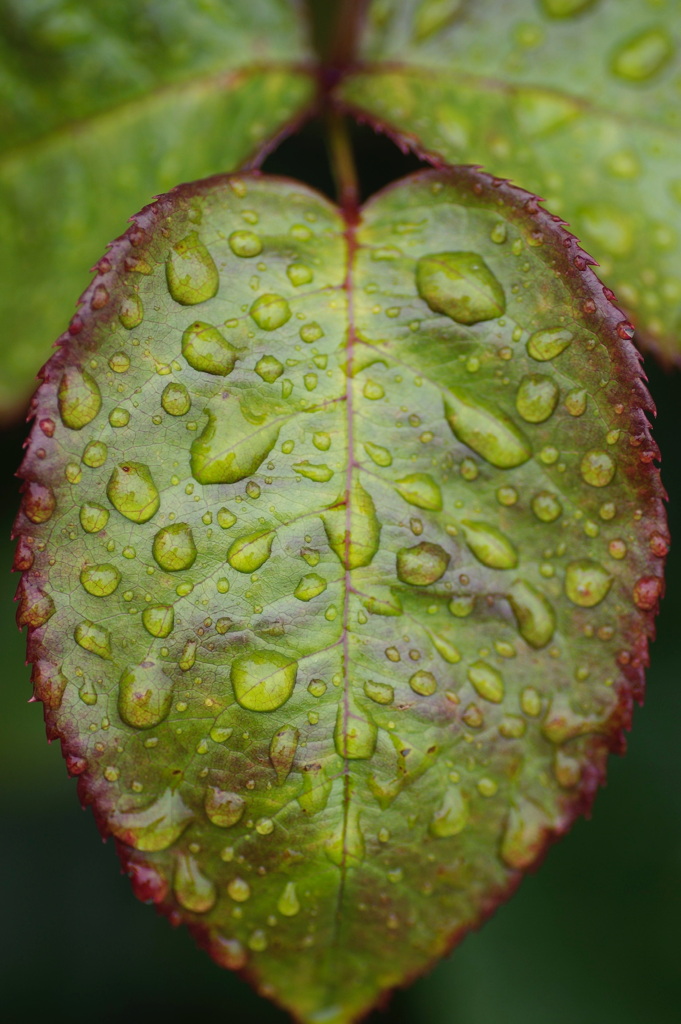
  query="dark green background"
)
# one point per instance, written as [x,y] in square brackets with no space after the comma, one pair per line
[592,938]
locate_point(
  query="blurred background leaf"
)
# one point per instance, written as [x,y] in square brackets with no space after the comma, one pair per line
[576,100]
[105,104]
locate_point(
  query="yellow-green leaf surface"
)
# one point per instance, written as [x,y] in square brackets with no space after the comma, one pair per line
[341,540]
[577,100]
[104,104]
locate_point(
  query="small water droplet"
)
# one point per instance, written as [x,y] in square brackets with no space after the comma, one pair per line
[320,473]
[380,693]
[248,553]
[421,490]
[100,580]
[226,518]
[548,343]
[263,680]
[93,517]
[460,285]
[175,399]
[38,502]
[239,890]
[188,656]
[565,8]
[310,586]
[94,638]
[223,808]
[421,565]
[597,468]
[131,312]
[534,614]
[288,904]
[229,448]
[79,398]
[586,583]
[423,683]
[173,547]
[132,492]
[245,243]
[144,695]
[95,454]
[270,312]
[487,680]
[159,619]
[575,401]
[355,733]
[647,593]
[191,273]
[283,747]
[299,274]
[452,815]
[546,506]
[381,456]
[192,888]
[205,349]
[311,332]
[537,397]
[525,835]
[221,730]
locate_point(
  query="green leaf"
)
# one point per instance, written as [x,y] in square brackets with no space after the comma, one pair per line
[104,105]
[573,99]
[336,650]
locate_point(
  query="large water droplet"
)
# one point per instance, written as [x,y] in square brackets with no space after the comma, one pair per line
[423,683]
[174,548]
[132,492]
[223,808]
[534,614]
[192,889]
[283,747]
[155,827]
[288,903]
[245,243]
[489,545]
[597,468]
[548,343]
[231,447]
[316,790]
[246,554]
[175,399]
[354,538]
[452,815]
[205,349]
[131,311]
[79,398]
[586,583]
[94,638]
[460,285]
[380,693]
[644,55]
[100,580]
[421,490]
[422,564]
[355,733]
[269,369]
[159,619]
[310,586]
[486,429]
[487,680]
[270,312]
[537,397]
[546,506]
[191,272]
[145,693]
[93,517]
[381,456]
[263,680]
[320,473]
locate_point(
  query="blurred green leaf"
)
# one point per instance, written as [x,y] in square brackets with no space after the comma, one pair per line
[577,100]
[104,104]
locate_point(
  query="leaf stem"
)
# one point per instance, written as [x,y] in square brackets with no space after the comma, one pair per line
[345,33]
[343,168]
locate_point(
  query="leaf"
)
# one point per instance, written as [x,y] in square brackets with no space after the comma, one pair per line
[105,105]
[573,99]
[332,703]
